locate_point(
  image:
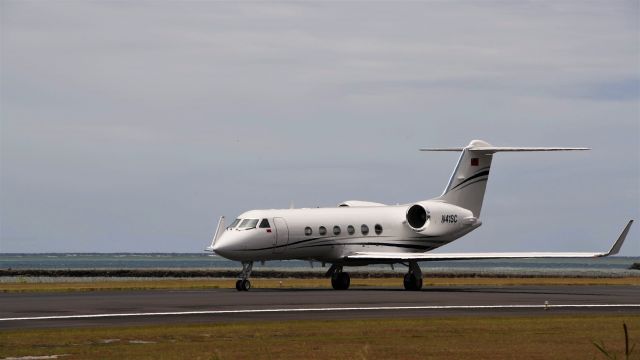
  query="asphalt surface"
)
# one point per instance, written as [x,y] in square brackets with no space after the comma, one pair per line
[360,301]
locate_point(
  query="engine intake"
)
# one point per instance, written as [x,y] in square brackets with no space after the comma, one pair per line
[417,217]
[432,218]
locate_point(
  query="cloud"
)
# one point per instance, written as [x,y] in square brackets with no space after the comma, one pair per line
[132,126]
[621,90]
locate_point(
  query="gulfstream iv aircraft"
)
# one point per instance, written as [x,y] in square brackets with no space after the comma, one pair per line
[361,233]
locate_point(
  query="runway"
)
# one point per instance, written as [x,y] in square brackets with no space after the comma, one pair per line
[124,308]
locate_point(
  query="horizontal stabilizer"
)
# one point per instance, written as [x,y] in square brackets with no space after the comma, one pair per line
[483,146]
[391,257]
[468,183]
[443,149]
[495,149]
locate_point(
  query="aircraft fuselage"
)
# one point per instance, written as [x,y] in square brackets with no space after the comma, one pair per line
[330,234]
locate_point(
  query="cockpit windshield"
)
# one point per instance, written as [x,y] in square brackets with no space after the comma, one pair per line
[234,224]
[248,224]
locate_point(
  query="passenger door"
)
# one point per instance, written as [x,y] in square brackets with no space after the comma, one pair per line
[282,235]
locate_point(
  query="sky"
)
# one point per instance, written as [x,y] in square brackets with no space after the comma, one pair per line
[133,126]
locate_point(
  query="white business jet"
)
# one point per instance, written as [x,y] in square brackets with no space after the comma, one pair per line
[360,233]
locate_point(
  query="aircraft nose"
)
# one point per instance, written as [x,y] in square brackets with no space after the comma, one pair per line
[230,244]
[217,246]
[221,246]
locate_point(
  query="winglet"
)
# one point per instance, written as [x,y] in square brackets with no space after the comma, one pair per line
[618,244]
[219,230]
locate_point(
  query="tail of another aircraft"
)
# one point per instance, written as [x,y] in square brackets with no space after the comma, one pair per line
[468,182]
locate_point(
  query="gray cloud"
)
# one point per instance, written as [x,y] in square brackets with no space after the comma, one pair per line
[132,126]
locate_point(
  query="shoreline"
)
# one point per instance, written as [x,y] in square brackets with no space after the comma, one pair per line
[297,274]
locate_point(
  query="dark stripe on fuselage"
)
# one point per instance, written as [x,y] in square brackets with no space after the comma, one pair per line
[405,246]
[279,246]
[333,239]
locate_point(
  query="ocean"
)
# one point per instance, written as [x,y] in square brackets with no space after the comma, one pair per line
[610,266]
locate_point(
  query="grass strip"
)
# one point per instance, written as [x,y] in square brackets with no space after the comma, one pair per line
[545,336]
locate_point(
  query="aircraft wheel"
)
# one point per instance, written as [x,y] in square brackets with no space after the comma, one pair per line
[412,282]
[408,285]
[418,285]
[239,285]
[340,281]
[345,281]
[334,282]
[246,285]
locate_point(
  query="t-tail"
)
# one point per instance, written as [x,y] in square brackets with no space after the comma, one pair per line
[468,182]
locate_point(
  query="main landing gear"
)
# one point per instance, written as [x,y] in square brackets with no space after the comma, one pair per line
[339,280]
[243,283]
[413,278]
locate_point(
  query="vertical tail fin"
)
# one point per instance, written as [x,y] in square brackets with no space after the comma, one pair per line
[468,182]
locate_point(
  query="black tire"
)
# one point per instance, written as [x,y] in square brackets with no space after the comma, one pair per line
[246,285]
[412,282]
[334,282]
[408,284]
[239,285]
[340,281]
[345,280]
[418,285]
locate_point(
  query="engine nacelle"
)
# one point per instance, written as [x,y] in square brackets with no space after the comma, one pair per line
[437,219]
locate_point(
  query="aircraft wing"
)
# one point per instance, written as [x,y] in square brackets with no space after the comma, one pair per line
[387,256]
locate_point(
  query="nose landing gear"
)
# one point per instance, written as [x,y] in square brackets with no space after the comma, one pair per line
[413,278]
[243,283]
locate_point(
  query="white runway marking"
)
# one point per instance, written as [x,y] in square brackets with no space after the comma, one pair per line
[285,310]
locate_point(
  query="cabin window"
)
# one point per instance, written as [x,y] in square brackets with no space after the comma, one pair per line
[248,224]
[364,229]
[322,230]
[264,223]
[351,230]
[234,224]
[308,231]
[336,230]
[378,229]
